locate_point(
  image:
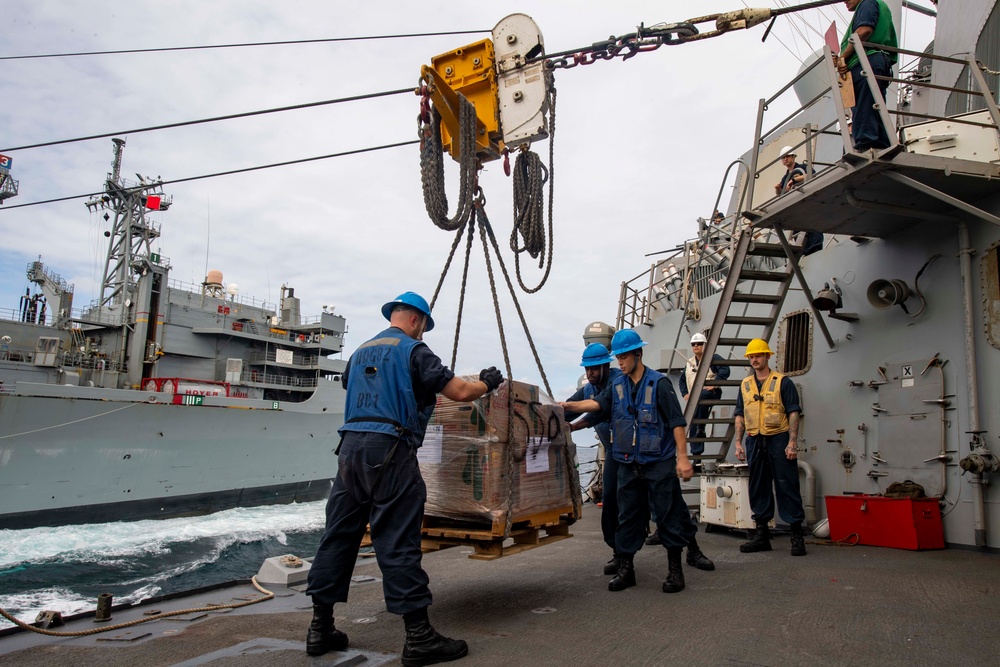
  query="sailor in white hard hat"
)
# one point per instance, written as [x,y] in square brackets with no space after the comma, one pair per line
[696,431]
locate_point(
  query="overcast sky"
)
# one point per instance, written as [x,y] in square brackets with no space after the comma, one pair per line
[640,151]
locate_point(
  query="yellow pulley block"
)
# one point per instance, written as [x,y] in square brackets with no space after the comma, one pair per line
[469,70]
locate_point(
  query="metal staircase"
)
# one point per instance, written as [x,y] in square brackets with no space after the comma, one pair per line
[749,307]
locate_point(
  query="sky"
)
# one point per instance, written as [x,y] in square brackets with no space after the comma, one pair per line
[640,151]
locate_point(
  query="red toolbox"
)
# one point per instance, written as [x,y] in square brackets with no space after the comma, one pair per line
[901,523]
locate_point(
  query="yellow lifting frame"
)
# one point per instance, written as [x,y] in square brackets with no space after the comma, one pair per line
[468,70]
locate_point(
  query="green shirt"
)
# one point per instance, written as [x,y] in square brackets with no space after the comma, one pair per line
[876,14]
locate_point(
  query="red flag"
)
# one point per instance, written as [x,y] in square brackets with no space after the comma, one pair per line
[153,202]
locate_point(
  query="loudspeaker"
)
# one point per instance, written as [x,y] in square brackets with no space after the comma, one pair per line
[827,299]
[883,294]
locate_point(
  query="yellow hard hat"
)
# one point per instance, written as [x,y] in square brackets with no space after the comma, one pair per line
[757,346]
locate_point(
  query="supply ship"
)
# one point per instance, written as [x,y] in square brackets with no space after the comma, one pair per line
[160,398]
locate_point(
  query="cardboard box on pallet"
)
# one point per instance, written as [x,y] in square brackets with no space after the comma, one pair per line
[465,465]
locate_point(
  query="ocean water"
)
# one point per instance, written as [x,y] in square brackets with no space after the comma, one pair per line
[66,568]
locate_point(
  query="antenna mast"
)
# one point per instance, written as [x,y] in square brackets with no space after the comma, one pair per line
[131,234]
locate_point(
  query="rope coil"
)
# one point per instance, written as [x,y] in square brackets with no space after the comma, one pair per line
[432,167]
[268,595]
[530,177]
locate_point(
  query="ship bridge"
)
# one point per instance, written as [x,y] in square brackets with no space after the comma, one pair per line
[935,168]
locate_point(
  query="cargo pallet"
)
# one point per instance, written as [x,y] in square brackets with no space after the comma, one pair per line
[487,541]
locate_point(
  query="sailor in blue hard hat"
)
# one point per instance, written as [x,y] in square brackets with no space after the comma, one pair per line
[392,383]
[597,366]
[649,444]
[415,302]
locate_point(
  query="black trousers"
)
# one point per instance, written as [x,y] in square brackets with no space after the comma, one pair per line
[395,509]
[867,129]
[655,486]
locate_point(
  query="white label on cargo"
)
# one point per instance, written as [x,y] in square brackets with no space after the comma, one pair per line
[430,451]
[536,457]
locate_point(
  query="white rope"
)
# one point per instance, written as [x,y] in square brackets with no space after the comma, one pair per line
[69,423]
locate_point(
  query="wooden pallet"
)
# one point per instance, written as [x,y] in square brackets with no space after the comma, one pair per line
[487,540]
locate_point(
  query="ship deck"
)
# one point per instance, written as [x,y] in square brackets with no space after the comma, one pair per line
[839,605]
[878,197]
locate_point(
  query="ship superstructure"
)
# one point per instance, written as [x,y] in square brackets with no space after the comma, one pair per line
[891,330]
[160,398]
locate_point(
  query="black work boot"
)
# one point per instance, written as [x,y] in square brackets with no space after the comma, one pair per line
[424,646]
[653,538]
[322,636]
[759,541]
[798,540]
[695,557]
[674,583]
[611,567]
[625,577]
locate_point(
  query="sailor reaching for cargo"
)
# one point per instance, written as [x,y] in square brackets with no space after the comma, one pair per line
[597,365]
[648,443]
[768,409]
[392,383]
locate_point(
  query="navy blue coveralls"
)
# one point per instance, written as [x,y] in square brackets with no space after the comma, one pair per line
[703,411]
[643,416]
[609,497]
[769,467]
[392,382]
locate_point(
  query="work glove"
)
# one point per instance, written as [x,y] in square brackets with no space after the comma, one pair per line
[491,377]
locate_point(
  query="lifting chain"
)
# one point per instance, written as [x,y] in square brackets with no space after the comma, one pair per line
[530,177]
[432,162]
[624,47]
[649,39]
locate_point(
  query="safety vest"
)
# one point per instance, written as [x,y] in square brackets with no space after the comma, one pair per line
[638,433]
[380,396]
[603,430]
[692,369]
[763,411]
[884,33]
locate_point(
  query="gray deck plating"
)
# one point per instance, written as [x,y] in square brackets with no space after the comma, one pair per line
[550,606]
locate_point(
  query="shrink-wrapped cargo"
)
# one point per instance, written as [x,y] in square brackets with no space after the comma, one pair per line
[477,466]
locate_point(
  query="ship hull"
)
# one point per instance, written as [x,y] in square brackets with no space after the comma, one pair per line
[74,455]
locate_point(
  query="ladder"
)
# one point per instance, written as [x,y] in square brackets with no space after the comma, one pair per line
[79,340]
[751,299]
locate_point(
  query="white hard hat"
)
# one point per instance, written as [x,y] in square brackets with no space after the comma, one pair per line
[786,150]
[698,338]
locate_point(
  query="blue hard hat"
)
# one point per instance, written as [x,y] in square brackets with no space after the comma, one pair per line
[413,300]
[624,341]
[595,355]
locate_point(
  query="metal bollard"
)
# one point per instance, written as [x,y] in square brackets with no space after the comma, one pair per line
[103,608]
